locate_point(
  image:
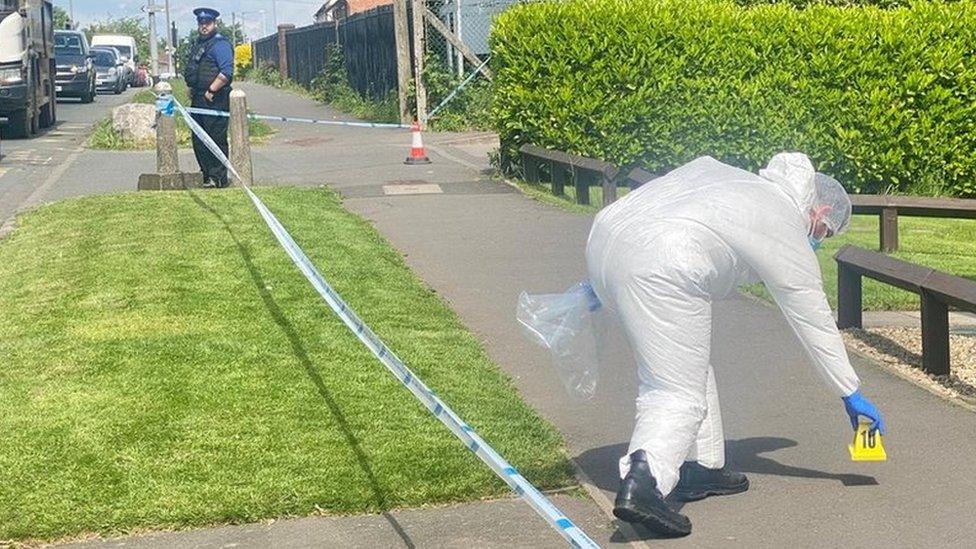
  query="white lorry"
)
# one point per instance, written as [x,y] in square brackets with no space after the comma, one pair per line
[27,66]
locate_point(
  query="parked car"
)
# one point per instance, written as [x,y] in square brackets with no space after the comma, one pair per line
[75,75]
[109,70]
[127,48]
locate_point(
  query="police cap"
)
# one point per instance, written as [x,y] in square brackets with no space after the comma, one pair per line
[205,15]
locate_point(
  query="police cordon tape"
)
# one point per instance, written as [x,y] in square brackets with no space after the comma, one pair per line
[467,435]
[212,112]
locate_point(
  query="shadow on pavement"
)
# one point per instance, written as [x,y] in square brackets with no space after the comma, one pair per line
[742,455]
[302,355]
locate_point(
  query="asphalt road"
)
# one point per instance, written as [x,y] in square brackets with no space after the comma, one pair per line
[30,167]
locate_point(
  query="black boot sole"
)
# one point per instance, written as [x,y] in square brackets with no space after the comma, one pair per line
[705,490]
[659,521]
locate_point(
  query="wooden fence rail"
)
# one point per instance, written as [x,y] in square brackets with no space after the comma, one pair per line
[888,208]
[563,168]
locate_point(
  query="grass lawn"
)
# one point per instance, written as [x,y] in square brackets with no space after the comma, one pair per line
[945,244]
[165,365]
[104,137]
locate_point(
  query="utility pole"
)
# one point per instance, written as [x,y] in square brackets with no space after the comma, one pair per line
[274,12]
[233,28]
[170,42]
[174,39]
[418,61]
[457,30]
[71,12]
[402,34]
[151,9]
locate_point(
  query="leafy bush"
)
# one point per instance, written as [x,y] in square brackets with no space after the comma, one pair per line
[884,99]
[469,109]
[847,3]
[242,59]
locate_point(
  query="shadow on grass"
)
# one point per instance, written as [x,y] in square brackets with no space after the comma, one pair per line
[301,354]
[741,455]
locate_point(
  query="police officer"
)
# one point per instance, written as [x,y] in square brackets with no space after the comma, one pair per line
[208,74]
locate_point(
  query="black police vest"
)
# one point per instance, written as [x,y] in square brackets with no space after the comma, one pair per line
[202,70]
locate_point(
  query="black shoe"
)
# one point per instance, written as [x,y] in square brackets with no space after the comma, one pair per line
[639,501]
[209,184]
[699,482]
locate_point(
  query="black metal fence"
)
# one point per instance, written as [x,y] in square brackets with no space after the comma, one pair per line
[266,51]
[306,51]
[368,43]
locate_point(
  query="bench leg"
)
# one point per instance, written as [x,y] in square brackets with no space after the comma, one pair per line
[935,335]
[530,168]
[889,230]
[609,190]
[582,182]
[559,177]
[848,298]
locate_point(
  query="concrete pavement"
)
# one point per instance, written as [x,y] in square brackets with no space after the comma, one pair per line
[478,243]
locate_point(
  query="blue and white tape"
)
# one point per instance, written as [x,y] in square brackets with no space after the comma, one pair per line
[504,470]
[212,112]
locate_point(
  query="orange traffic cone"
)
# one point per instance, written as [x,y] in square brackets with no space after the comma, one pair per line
[417,154]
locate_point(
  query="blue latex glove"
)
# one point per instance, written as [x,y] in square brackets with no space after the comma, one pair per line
[857,405]
[164,104]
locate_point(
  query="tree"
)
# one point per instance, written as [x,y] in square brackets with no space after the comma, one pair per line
[61,18]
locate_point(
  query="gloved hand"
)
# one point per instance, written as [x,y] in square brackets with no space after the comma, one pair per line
[164,104]
[857,405]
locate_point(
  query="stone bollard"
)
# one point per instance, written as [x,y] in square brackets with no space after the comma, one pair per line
[167,159]
[240,147]
[167,176]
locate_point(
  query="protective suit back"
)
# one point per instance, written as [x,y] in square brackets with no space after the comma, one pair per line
[662,254]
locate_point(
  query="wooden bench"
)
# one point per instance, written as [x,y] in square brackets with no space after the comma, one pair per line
[565,168]
[938,291]
[888,208]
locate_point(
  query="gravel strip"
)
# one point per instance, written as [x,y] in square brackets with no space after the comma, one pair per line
[901,349]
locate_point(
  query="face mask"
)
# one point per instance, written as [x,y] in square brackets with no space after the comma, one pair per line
[814,243]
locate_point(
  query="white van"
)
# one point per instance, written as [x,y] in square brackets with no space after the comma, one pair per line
[127,49]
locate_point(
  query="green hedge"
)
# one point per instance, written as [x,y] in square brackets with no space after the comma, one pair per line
[883,99]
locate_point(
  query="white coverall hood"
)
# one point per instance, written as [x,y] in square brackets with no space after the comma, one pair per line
[660,255]
[794,173]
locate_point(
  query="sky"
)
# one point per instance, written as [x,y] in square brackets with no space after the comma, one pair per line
[298,12]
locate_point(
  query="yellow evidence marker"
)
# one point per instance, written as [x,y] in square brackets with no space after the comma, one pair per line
[867,446]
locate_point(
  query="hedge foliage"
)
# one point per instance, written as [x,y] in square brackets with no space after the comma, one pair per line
[883,99]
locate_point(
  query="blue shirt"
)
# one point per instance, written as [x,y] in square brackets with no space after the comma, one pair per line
[222,54]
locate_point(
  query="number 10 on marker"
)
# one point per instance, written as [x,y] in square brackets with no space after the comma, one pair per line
[867,446]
